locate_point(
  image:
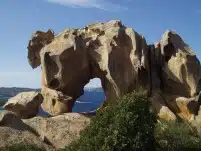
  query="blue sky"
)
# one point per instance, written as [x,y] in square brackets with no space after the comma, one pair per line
[20,18]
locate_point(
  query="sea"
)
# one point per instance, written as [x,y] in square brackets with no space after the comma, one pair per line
[89,101]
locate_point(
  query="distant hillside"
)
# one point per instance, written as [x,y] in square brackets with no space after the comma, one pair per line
[92,98]
[6,93]
[9,92]
[93,89]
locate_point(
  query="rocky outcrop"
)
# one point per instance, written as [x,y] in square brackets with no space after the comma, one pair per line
[25,104]
[175,72]
[14,131]
[160,108]
[49,133]
[108,51]
[38,41]
[182,70]
[59,131]
[123,61]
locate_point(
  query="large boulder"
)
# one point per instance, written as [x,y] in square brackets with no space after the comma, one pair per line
[175,72]
[182,70]
[160,107]
[108,51]
[185,108]
[171,107]
[50,133]
[25,104]
[175,69]
[123,61]
[59,131]
[14,131]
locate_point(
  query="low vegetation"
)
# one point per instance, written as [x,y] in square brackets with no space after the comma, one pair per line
[22,147]
[129,125]
[177,136]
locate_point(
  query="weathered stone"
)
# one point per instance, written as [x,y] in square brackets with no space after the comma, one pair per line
[38,41]
[55,102]
[182,68]
[183,107]
[171,107]
[14,131]
[59,131]
[175,71]
[8,118]
[108,51]
[49,133]
[123,61]
[25,104]
[197,119]
[160,108]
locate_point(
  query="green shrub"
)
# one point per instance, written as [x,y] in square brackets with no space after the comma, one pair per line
[124,126]
[22,147]
[177,136]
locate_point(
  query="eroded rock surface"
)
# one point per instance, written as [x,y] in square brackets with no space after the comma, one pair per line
[55,102]
[59,131]
[182,68]
[38,41]
[50,133]
[175,73]
[14,131]
[25,104]
[123,61]
[108,51]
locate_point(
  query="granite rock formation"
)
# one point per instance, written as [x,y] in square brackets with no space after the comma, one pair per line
[38,41]
[25,104]
[60,130]
[123,61]
[15,131]
[50,133]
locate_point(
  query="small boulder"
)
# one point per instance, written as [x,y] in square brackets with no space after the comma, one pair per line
[55,102]
[25,104]
[183,107]
[10,119]
[160,108]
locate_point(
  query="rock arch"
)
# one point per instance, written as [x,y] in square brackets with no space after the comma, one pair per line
[107,51]
[117,55]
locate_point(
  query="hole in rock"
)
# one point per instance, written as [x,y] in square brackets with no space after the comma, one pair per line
[92,98]
[53,102]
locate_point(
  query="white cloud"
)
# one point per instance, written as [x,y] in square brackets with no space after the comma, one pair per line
[100,4]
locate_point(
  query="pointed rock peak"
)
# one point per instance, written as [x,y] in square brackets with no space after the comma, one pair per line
[171,38]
